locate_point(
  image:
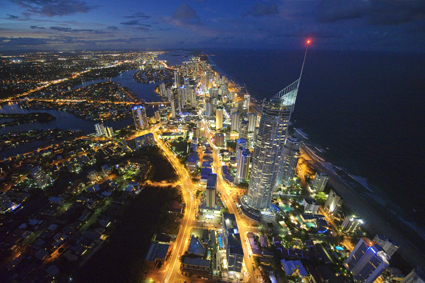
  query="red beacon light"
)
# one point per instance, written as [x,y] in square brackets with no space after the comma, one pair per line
[308,41]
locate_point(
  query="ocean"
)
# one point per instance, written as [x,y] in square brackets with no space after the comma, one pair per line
[362,110]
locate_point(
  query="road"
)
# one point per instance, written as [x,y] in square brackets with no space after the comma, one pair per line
[229,194]
[182,240]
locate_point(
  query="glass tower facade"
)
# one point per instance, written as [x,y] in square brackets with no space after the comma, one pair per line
[272,133]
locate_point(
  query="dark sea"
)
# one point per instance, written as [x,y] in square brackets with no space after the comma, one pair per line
[364,110]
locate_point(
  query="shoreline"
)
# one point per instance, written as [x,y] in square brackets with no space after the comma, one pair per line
[376,221]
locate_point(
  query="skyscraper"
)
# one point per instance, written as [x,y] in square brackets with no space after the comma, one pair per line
[173,108]
[367,261]
[269,143]
[176,79]
[252,122]
[208,107]
[351,224]
[219,118]
[235,121]
[243,165]
[140,119]
[288,162]
[100,129]
[320,181]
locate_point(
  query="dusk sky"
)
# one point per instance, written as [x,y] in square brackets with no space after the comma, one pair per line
[332,24]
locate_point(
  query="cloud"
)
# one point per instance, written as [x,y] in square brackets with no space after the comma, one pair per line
[262,9]
[112,28]
[377,12]
[138,15]
[336,10]
[131,23]
[185,14]
[22,41]
[70,30]
[141,29]
[11,17]
[52,8]
[36,27]
[396,12]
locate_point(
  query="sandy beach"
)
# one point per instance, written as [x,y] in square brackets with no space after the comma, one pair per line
[378,219]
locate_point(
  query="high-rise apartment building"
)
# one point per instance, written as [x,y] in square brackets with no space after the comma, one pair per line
[235,122]
[415,276]
[367,261]
[242,170]
[246,99]
[173,108]
[351,224]
[272,133]
[219,118]
[176,79]
[390,247]
[288,162]
[208,107]
[333,202]
[140,119]
[320,181]
[252,122]
[211,191]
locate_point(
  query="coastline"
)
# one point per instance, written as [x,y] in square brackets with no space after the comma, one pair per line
[376,219]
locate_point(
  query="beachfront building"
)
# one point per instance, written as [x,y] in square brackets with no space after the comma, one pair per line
[269,144]
[140,118]
[320,181]
[367,261]
[415,276]
[288,162]
[333,202]
[351,224]
[390,247]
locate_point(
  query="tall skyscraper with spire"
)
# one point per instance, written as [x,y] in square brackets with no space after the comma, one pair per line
[273,130]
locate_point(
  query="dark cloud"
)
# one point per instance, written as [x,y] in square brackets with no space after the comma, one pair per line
[336,10]
[396,12]
[70,30]
[185,14]
[262,9]
[52,8]
[22,41]
[138,15]
[36,27]
[377,12]
[145,29]
[112,28]
[228,37]
[11,17]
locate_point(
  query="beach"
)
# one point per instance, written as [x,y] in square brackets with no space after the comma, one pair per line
[378,219]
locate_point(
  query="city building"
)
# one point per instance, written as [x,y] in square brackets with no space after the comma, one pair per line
[242,169]
[109,132]
[173,108]
[232,244]
[289,160]
[320,181]
[100,129]
[208,107]
[333,202]
[351,224]
[243,129]
[415,276]
[252,122]
[145,141]
[211,191]
[219,139]
[367,261]
[40,177]
[269,142]
[140,118]
[310,205]
[390,247]
[235,121]
[246,99]
[219,118]
[176,79]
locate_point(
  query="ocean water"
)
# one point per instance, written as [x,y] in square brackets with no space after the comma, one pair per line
[364,110]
